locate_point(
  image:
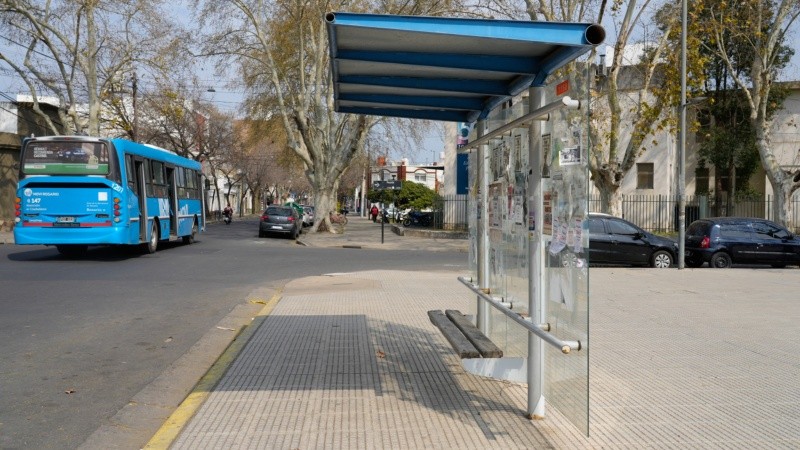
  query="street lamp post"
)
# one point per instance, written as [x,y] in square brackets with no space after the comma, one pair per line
[682,149]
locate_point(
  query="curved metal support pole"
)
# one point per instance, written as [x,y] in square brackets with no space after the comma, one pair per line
[565,346]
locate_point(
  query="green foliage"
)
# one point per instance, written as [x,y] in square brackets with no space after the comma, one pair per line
[729,136]
[411,195]
[729,139]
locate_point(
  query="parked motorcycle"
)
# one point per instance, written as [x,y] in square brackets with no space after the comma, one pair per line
[417,218]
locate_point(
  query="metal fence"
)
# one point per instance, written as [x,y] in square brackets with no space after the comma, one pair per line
[659,213]
[655,213]
[450,213]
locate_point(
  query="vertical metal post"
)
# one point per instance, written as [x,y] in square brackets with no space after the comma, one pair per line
[535,375]
[682,149]
[482,321]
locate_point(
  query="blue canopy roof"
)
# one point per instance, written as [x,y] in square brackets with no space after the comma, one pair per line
[444,69]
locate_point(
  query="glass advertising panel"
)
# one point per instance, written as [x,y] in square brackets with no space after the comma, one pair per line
[565,188]
[565,238]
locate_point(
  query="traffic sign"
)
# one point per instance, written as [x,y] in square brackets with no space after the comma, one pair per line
[380,185]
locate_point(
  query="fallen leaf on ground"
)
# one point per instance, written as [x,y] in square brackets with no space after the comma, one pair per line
[380,354]
[226,329]
[260,302]
[70,391]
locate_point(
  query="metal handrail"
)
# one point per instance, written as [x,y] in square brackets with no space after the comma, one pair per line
[565,346]
[542,113]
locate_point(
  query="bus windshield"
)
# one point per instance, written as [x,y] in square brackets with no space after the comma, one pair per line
[65,158]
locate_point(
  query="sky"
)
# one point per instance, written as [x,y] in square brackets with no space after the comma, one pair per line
[228,98]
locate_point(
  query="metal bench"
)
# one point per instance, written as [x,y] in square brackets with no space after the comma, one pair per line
[465,338]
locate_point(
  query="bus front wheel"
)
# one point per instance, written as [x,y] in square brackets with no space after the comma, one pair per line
[152,243]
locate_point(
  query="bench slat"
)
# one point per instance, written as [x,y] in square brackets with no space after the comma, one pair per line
[486,347]
[463,347]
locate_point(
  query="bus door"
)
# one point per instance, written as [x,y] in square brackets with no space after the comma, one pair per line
[172,193]
[141,192]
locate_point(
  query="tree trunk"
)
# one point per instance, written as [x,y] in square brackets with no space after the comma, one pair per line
[324,204]
[611,200]
[782,183]
[730,210]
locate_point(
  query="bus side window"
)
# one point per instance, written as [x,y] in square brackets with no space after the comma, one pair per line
[148,178]
[196,183]
[130,172]
[159,179]
[180,176]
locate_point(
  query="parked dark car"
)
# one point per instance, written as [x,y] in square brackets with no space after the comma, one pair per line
[613,240]
[723,241]
[280,220]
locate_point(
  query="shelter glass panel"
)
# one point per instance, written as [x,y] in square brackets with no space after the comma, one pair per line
[566,237]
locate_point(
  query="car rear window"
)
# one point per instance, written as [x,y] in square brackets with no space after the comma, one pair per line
[278,211]
[596,226]
[698,229]
[620,227]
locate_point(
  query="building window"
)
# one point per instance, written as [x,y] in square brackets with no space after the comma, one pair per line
[701,180]
[420,177]
[644,176]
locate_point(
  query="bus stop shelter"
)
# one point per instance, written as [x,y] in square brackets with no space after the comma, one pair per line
[523,89]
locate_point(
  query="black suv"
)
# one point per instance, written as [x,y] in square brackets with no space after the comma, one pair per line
[722,241]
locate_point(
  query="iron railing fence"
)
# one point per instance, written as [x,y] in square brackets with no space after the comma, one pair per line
[659,213]
[450,213]
[654,213]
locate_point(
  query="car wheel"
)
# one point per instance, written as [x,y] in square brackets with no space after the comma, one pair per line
[569,260]
[720,261]
[661,259]
[260,234]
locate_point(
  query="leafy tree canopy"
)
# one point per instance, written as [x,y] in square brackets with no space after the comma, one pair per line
[411,195]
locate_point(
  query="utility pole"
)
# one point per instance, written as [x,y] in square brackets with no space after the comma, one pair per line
[682,148]
[135,130]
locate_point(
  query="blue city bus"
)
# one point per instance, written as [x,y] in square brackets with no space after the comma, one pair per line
[76,191]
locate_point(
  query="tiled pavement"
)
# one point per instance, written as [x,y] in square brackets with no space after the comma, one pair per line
[696,358]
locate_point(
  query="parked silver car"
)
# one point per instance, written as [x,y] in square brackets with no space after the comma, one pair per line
[280,220]
[308,215]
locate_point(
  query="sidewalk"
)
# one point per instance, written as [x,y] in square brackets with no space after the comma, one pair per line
[361,232]
[6,237]
[351,361]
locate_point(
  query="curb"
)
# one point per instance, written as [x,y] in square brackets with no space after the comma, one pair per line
[179,418]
